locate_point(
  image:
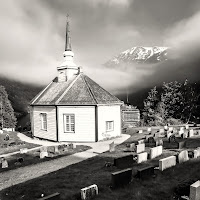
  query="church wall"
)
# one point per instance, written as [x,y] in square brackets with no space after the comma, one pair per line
[50,133]
[109,113]
[84,123]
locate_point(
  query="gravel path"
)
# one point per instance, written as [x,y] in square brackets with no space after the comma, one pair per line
[23,174]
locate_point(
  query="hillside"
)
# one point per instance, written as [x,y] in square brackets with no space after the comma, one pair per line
[19,94]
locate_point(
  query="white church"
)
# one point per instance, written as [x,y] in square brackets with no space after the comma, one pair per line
[73,108]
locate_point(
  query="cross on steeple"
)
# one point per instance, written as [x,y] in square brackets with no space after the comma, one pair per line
[68,39]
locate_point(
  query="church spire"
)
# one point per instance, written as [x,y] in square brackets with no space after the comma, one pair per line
[68,39]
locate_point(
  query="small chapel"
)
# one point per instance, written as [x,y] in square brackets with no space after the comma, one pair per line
[74,108]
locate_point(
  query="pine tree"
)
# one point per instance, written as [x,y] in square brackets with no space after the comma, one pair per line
[150,104]
[7,117]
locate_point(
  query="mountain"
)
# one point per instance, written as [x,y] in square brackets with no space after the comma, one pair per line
[138,55]
[19,94]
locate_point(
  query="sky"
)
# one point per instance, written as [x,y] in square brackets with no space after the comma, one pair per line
[32,39]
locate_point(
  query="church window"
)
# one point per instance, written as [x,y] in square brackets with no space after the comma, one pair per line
[43,118]
[69,123]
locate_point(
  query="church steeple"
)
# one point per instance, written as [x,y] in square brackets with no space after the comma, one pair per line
[68,68]
[68,46]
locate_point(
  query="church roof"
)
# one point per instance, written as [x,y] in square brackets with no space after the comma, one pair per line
[79,90]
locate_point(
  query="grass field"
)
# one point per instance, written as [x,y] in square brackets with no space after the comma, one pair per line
[12,148]
[70,180]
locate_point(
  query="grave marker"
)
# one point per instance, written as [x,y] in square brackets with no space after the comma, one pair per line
[142,157]
[191,133]
[7,137]
[195,191]
[172,138]
[155,152]
[156,135]
[161,130]
[149,129]
[145,173]
[112,147]
[132,147]
[141,141]
[140,148]
[89,192]
[4,163]
[165,128]
[183,156]
[171,128]
[187,126]
[181,144]
[167,162]
[24,150]
[140,131]
[124,161]
[121,178]
[159,142]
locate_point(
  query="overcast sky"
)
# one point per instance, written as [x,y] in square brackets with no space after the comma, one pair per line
[32,38]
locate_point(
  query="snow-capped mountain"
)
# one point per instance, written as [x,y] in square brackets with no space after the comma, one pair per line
[139,55]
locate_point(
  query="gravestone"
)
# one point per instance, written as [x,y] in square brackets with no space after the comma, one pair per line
[132,147]
[55,196]
[167,162]
[165,128]
[195,191]
[191,133]
[172,139]
[197,152]
[140,148]
[184,135]
[151,140]
[183,156]
[123,162]
[171,128]
[89,192]
[169,134]
[149,129]
[24,150]
[155,152]
[159,142]
[7,137]
[112,147]
[121,178]
[141,141]
[4,163]
[187,126]
[181,144]
[191,154]
[140,131]
[1,131]
[43,152]
[145,173]
[142,157]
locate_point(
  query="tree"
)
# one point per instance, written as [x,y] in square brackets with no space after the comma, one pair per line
[172,98]
[150,104]
[7,117]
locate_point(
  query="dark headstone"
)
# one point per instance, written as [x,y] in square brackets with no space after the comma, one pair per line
[172,138]
[20,160]
[7,137]
[190,154]
[146,172]
[151,140]
[121,178]
[55,196]
[181,144]
[123,162]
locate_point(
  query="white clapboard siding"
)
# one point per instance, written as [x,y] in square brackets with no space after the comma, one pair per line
[109,113]
[84,123]
[50,133]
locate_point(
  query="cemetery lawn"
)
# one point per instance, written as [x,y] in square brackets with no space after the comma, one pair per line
[70,180]
[13,144]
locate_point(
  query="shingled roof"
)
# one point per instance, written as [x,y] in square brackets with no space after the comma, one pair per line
[80,90]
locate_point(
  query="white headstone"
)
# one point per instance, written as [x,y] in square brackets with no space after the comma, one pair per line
[1,131]
[183,156]
[140,131]
[182,129]
[197,152]
[149,129]
[155,151]
[168,135]
[140,148]
[191,133]
[167,162]
[24,150]
[161,130]
[195,191]
[166,127]
[89,192]
[142,157]
[141,141]
[4,163]
[171,128]
[43,154]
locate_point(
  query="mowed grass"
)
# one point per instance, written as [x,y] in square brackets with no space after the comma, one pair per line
[70,180]
[15,147]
